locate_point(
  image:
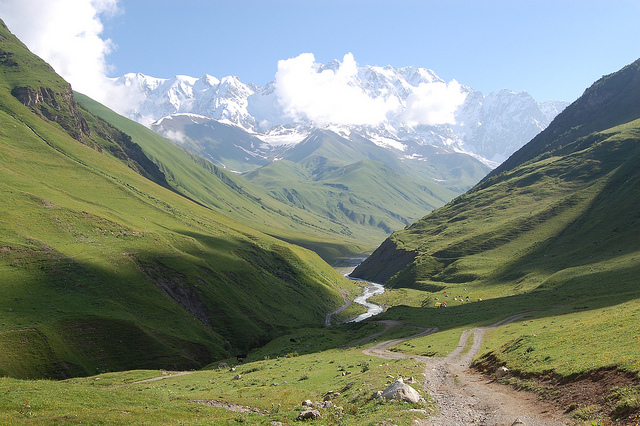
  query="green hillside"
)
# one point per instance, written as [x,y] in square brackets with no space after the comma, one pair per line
[335,178]
[555,231]
[237,198]
[104,269]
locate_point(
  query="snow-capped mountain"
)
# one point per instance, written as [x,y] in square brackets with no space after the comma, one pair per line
[398,108]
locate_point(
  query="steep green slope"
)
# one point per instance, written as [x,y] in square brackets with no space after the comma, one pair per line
[555,233]
[103,269]
[235,197]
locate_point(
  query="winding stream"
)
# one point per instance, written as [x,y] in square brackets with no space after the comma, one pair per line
[372,289]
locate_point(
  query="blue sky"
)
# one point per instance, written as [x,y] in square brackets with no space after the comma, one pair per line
[553,49]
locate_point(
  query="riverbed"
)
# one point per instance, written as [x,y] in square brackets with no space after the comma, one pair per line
[372,289]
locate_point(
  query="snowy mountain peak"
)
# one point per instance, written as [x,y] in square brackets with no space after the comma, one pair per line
[387,105]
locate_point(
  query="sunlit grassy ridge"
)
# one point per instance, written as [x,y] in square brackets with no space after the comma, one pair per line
[272,389]
[103,269]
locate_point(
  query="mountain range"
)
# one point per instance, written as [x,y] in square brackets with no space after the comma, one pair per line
[410,110]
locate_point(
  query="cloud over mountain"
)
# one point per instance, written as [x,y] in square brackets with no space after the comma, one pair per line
[434,103]
[310,91]
[306,91]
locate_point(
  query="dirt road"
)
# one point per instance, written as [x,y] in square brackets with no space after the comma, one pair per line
[465,397]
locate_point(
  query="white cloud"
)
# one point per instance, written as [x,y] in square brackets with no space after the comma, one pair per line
[306,91]
[173,135]
[433,103]
[68,35]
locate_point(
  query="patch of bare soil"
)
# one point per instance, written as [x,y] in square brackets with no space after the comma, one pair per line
[231,407]
[588,393]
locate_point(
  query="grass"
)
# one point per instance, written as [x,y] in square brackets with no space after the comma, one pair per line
[438,344]
[556,343]
[275,387]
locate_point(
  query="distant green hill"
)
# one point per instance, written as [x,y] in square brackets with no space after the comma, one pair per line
[347,181]
[402,191]
[221,143]
[104,265]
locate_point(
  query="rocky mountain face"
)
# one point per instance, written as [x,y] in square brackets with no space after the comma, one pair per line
[402,109]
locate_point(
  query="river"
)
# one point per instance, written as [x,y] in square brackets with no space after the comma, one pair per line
[372,289]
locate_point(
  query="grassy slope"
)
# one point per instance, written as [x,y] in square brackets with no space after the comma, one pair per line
[237,198]
[334,178]
[367,195]
[557,234]
[103,269]
[274,388]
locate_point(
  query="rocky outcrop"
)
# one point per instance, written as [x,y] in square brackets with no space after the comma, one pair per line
[396,259]
[58,107]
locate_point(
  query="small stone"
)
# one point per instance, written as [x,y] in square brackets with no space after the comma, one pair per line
[308,403]
[501,372]
[517,422]
[237,377]
[309,414]
[327,404]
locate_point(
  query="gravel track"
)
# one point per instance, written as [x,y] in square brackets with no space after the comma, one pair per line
[466,397]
